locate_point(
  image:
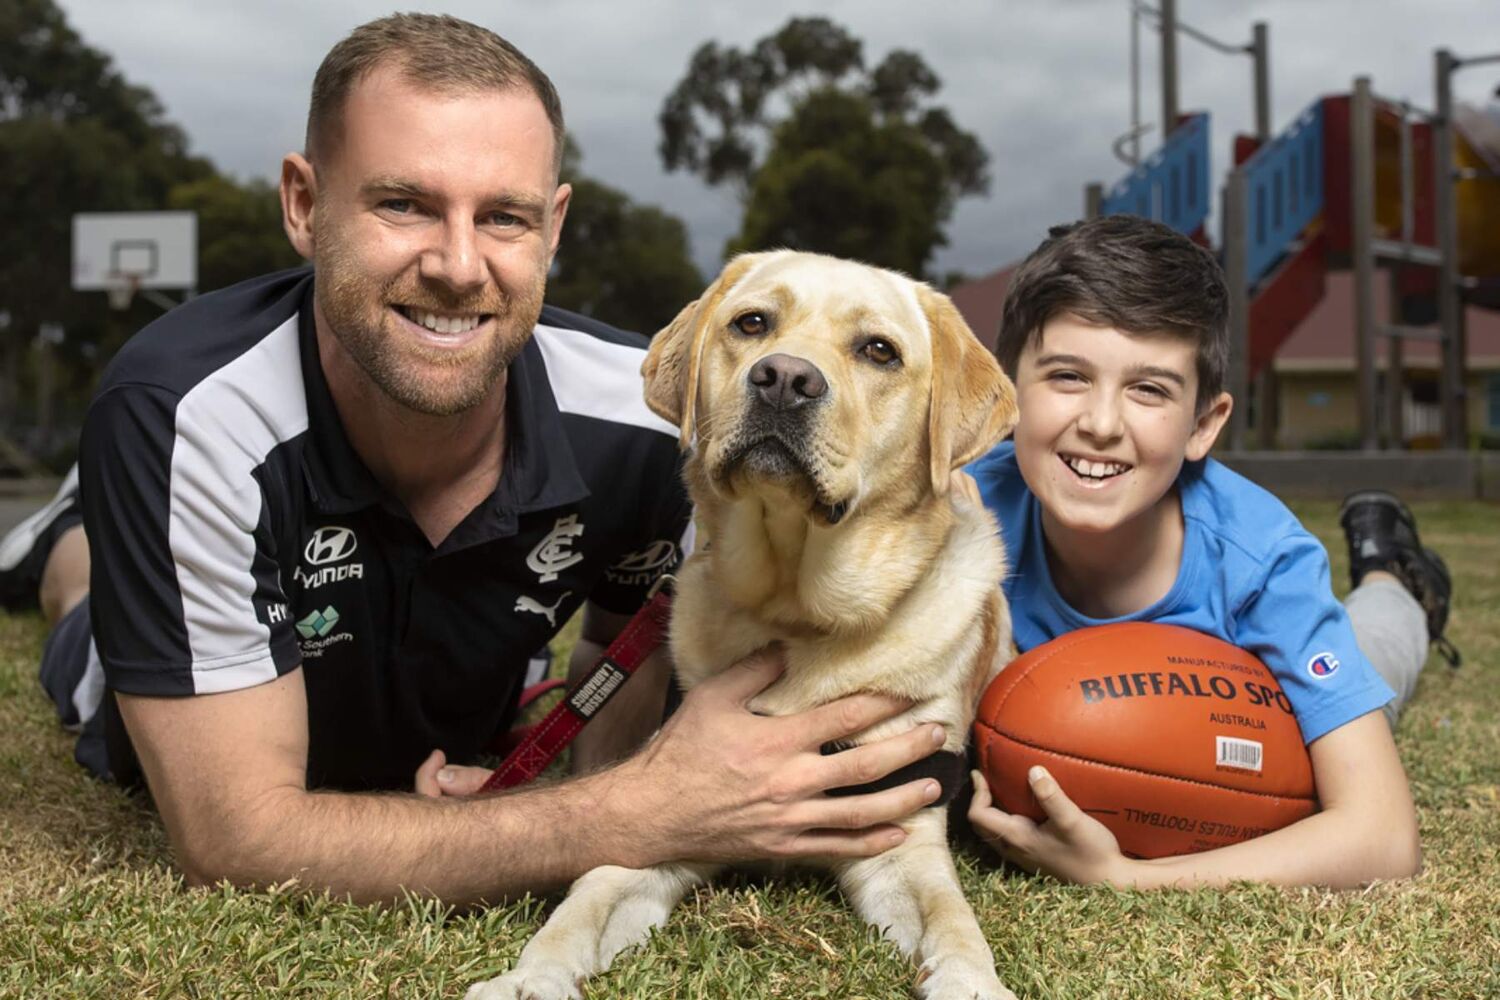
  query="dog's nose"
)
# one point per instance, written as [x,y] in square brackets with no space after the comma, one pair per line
[784,382]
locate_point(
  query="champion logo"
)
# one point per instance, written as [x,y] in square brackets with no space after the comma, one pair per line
[554,553]
[330,545]
[1323,665]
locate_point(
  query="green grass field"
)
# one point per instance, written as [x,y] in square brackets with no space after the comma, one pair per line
[90,905]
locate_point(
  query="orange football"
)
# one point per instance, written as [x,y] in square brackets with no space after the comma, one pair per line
[1176,741]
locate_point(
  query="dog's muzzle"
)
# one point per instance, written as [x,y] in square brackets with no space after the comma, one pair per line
[784,382]
[783,396]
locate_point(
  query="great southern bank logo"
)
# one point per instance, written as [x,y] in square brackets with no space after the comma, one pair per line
[318,630]
[319,623]
[1323,665]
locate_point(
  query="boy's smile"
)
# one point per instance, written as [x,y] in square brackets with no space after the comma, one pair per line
[1106,420]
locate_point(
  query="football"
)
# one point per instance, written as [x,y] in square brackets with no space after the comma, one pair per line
[1176,741]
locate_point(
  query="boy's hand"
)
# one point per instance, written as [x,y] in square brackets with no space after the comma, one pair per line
[1069,845]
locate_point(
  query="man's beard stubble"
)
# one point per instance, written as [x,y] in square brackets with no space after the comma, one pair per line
[406,371]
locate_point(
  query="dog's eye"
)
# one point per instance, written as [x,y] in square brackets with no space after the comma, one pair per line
[751,324]
[880,351]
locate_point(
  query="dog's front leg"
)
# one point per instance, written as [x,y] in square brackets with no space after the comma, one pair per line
[607,910]
[911,893]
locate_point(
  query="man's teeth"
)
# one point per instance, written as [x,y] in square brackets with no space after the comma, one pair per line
[445,324]
[1095,470]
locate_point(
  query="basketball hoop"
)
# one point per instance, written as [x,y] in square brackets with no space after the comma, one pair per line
[122,289]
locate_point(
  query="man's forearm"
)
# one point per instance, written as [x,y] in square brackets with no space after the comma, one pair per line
[372,847]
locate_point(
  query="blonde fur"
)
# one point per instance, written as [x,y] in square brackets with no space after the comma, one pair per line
[900,596]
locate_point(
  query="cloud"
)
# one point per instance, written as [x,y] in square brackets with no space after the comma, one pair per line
[1044,85]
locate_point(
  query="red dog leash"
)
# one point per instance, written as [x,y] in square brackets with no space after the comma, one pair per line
[638,640]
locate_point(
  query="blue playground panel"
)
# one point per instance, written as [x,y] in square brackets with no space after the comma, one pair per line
[1285,183]
[1170,185]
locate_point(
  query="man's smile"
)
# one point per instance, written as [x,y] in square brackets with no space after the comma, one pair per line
[448,329]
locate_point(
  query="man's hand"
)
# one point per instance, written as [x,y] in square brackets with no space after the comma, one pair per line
[1069,845]
[437,778]
[720,783]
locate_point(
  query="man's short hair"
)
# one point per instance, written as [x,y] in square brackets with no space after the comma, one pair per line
[1122,271]
[435,51]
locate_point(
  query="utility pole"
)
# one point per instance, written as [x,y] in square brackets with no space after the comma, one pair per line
[1265,384]
[1169,113]
[1450,306]
[1362,184]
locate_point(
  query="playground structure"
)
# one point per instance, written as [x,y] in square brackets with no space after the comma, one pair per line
[1355,181]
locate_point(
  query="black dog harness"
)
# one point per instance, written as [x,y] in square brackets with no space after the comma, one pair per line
[948,767]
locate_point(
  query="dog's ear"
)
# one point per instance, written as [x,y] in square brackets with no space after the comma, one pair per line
[973,401]
[671,370]
[676,354]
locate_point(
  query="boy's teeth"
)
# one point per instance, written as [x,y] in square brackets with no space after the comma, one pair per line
[1095,470]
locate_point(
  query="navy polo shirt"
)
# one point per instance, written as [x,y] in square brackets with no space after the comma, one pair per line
[235,535]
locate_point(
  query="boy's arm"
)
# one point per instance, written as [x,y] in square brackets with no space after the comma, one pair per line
[1367,828]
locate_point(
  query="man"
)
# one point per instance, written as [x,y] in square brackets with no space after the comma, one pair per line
[328,514]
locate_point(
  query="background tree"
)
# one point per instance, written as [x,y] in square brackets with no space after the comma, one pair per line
[824,154]
[76,136]
[620,262]
[239,229]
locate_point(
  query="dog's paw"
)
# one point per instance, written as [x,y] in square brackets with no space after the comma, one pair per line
[959,980]
[537,984]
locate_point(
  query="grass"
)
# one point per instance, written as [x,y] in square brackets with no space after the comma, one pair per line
[90,905]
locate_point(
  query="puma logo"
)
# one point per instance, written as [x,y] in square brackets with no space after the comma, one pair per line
[531,604]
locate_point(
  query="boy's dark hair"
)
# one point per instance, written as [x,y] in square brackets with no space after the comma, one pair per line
[433,50]
[1130,273]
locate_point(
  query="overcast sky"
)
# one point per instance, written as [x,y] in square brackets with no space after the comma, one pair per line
[1045,85]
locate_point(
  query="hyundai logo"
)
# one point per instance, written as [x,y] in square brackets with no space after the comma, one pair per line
[655,556]
[329,545]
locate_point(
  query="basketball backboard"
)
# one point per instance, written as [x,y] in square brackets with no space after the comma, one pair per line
[153,250]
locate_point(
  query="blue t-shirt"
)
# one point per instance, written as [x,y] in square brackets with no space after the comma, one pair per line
[1250,575]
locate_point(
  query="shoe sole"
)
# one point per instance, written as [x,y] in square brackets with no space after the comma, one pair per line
[1381,497]
[23,537]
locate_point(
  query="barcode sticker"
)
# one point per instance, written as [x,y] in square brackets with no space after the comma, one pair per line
[1243,754]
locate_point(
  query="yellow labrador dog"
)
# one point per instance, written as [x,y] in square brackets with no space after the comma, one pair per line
[826,405]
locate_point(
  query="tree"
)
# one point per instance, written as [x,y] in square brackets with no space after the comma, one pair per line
[623,263]
[239,229]
[824,154]
[74,136]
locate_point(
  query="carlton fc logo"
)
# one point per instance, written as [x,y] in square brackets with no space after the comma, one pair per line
[330,545]
[554,553]
[1323,665]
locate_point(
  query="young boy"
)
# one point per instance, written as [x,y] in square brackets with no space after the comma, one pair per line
[1115,333]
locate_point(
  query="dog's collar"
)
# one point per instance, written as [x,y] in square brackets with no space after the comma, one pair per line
[833,513]
[949,767]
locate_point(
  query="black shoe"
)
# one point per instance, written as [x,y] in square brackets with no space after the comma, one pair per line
[1382,535]
[24,551]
